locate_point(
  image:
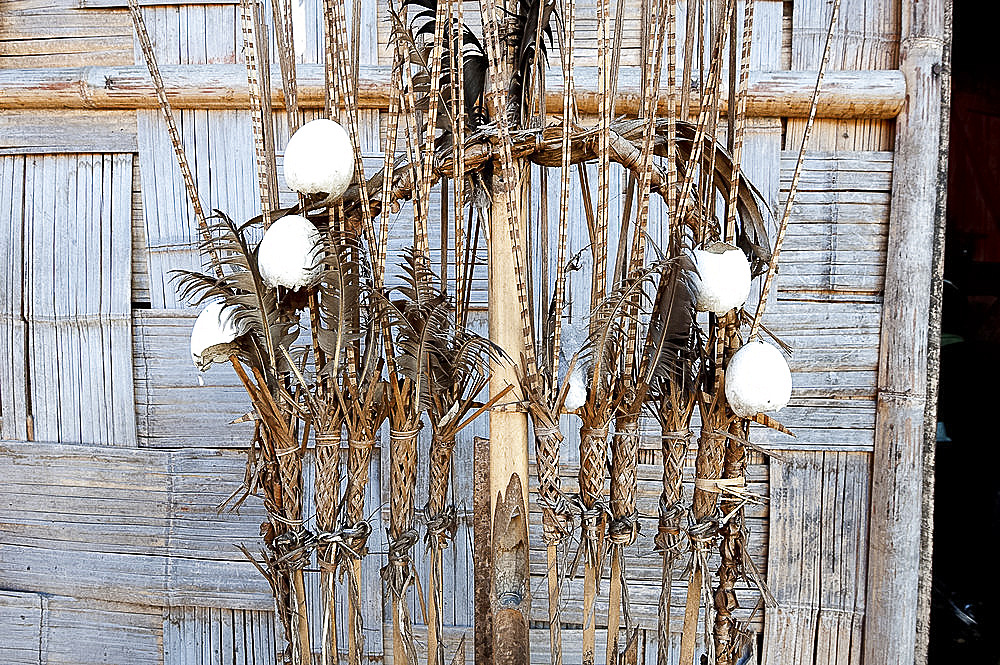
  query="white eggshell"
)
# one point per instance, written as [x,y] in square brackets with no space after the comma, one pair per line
[319,158]
[757,380]
[215,325]
[722,279]
[576,396]
[289,252]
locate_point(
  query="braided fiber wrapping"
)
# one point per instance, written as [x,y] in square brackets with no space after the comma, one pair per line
[593,442]
[290,467]
[731,550]
[440,474]
[402,480]
[624,456]
[548,441]
[327,479]
[402,537]
[675,445]
[359,454]
[708,466]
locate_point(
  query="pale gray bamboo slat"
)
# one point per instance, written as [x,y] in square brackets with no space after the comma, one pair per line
[69,631]
[129,525]
[817,557]
[866,37]
[30,132]
[21,627]
[13,350]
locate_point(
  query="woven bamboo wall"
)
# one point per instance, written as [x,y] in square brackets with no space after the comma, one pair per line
[116,452]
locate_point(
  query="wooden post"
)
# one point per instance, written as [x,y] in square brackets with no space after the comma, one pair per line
[482,552]
[934,359]
[897,480]
[508,425]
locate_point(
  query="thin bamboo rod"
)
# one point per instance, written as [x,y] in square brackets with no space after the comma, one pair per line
[175,138]
[793,187]
[251,41]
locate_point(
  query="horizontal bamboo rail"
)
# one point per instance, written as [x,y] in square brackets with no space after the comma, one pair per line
[845,94]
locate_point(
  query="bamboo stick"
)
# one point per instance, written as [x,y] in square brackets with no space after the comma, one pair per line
[871,94]
[402,535]
[708,467]
[897,491]
[175,139]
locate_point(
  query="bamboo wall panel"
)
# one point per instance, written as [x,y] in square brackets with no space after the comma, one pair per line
[818,558]
[176,404]
[20,624]
[57,630]
[218,144]
[30,132]
[866,37]
[57,33]
[836,242]
[65,313]
[214,636]
[128,525]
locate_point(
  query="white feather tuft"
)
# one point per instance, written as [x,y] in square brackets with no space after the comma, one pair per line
[289,253]
[319,158]
[757,380]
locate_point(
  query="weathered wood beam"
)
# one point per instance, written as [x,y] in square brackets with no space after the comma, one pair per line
[897,476]
[845,94]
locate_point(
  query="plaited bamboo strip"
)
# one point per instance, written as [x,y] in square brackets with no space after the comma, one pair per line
[732,550]
[623,528]
[175,139]
[703,533]
[402,536]
[593,444]
[327,493]
[440,529]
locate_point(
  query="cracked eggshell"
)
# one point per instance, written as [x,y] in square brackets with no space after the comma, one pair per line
[722,278]
[757,380]
[576,396]
[289,252]
[319,158]
[214,326]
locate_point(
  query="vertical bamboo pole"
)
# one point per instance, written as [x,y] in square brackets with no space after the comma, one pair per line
[510,328]
[934,357]
[894,539]
[508,424]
